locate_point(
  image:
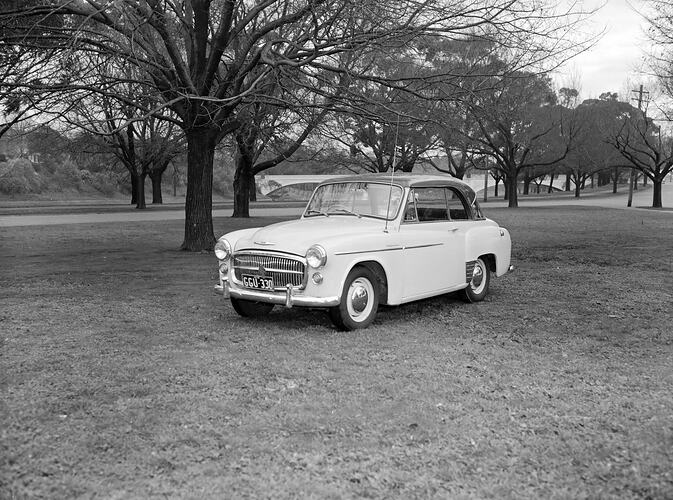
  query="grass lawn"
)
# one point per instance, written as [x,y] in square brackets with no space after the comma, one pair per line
[124,376]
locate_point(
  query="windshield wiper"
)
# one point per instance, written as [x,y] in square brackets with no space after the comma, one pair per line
[316,212]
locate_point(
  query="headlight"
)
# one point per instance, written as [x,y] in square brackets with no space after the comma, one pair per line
[316,256]
[222,249]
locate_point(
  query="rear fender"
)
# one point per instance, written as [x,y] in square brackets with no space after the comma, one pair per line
[491,240]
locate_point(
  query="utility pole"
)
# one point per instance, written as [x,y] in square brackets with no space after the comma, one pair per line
[486,172]
[631,175]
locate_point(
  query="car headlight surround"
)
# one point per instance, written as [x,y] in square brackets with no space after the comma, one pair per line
[316,256]
[222,249]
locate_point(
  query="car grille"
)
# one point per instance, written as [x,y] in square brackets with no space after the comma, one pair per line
[283,270]
[469,270]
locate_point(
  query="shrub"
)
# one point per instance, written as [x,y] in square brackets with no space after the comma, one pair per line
[18,176]
[103,182]
[67,176]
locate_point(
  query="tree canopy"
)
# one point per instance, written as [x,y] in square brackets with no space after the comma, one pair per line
[206,61]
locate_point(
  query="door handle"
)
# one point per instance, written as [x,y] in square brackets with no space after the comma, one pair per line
[453,229]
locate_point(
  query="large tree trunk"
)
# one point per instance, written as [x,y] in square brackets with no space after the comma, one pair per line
[578,186]
[615,174]
[134,188]
[140,191]
[526,183]
[252,186]
[512,194]
[550,189]
[656,193]
[199,235]
[157,198]
[156,174]
[242,179]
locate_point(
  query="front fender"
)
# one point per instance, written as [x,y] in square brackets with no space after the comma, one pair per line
[234,237]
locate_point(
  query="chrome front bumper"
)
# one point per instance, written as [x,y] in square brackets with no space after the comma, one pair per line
[288,298]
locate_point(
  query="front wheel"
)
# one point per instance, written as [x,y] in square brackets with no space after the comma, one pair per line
[359,301]
[250,309]
[477,288]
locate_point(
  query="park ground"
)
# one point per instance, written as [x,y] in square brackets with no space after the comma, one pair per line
[124,376]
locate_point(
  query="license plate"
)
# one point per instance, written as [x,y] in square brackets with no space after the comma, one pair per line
[257,282]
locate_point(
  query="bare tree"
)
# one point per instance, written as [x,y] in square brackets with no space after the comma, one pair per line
[659,17]
[521,127]
[143,145]
[23,69]
[645,147]
[205,59]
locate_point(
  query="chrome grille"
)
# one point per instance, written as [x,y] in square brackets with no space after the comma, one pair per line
[469,270]
[283,270]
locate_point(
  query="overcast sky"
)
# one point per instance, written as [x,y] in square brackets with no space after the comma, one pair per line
[616,58]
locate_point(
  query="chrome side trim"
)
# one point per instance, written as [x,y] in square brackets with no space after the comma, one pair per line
[413,247]
[369,251]
[424,246]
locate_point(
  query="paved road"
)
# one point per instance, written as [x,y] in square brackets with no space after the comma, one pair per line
[131,216]
[642,199]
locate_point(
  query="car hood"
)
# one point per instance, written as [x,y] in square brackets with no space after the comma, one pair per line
[298,235]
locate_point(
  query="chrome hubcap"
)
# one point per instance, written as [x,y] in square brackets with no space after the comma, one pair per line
[359,299]
[477,276]
[359,303]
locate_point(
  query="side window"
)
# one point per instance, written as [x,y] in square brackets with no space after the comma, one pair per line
[458,210]
[410,210]
[431,204]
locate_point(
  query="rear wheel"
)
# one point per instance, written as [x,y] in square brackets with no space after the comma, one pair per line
[359,301]
[250,309]
[477,288]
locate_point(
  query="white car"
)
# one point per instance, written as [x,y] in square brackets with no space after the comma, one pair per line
[362,241]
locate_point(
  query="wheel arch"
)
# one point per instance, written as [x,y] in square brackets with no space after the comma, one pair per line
[381,277]
[490,260]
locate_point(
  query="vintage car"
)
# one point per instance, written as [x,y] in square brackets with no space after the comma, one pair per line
[363,241]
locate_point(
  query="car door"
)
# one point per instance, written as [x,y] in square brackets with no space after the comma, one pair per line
[433,245]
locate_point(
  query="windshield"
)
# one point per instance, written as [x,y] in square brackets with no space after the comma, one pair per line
[360,199]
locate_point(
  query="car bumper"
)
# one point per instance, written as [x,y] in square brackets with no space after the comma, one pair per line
[288,298]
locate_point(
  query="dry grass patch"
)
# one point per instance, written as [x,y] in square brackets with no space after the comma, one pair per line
[124,376]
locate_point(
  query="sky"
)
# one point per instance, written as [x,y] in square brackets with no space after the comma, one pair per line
[611,65]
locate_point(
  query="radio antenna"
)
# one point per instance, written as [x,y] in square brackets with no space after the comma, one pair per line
[392,173]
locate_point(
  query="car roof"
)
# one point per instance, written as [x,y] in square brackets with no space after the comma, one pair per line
[405,180]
